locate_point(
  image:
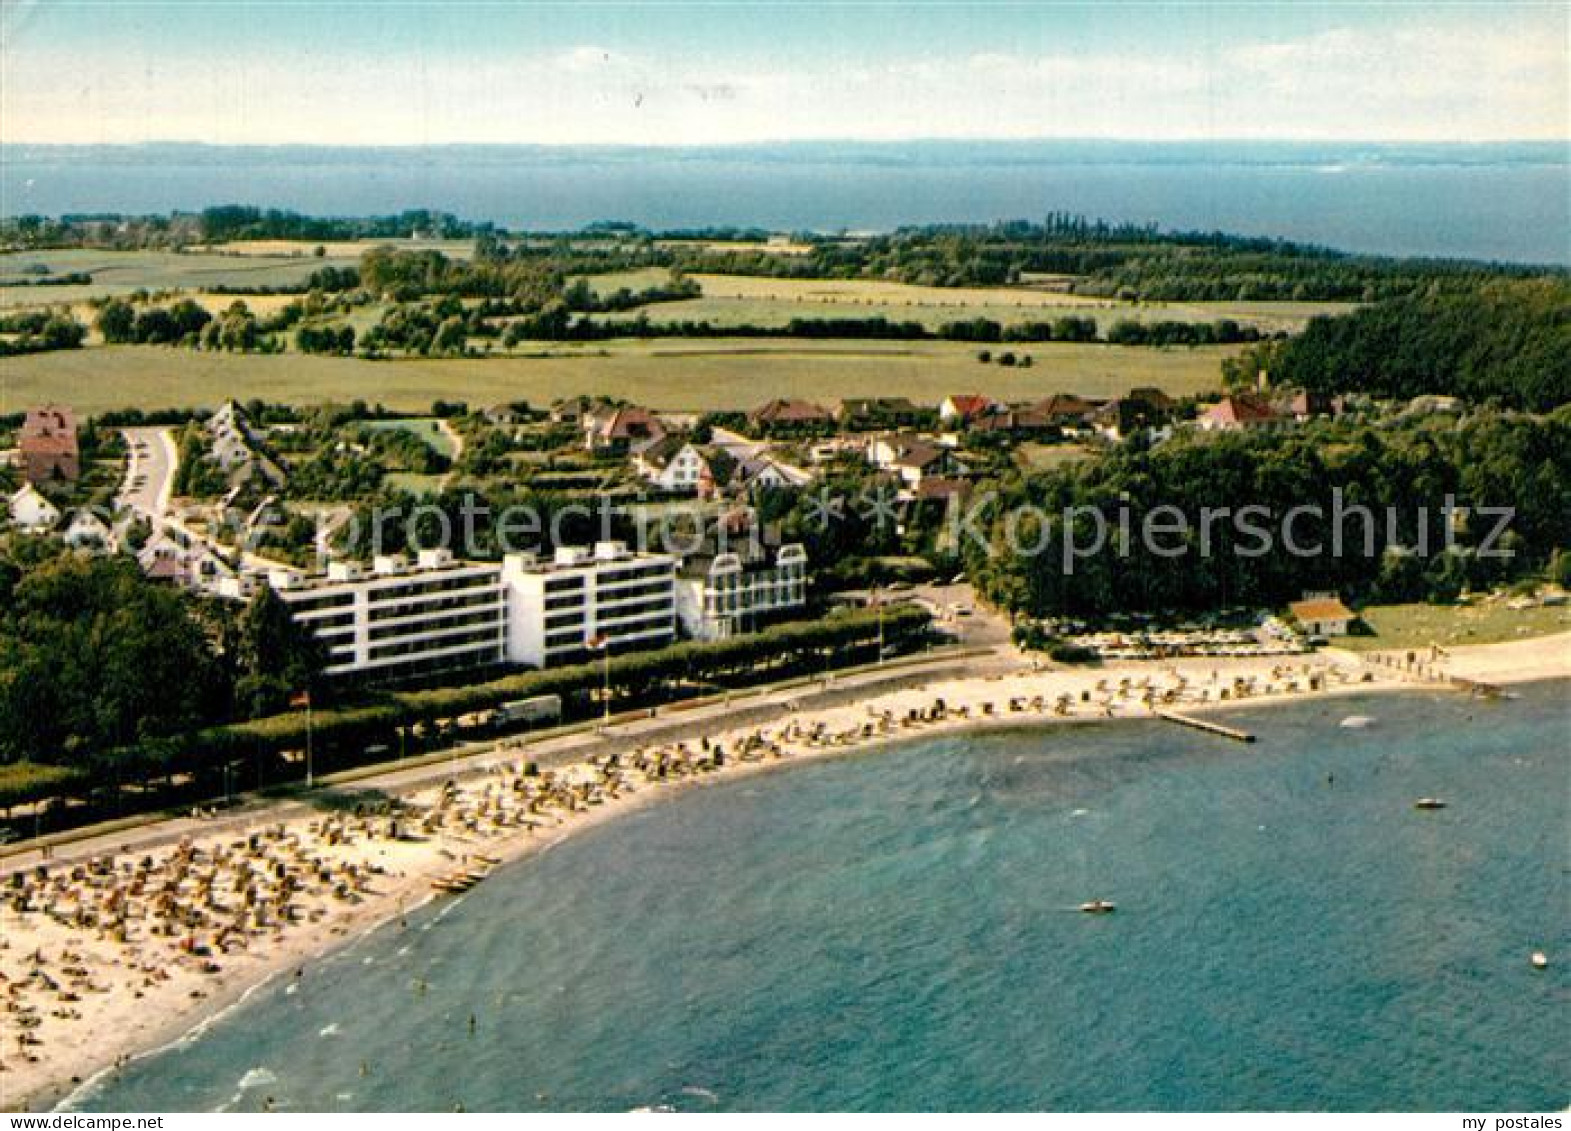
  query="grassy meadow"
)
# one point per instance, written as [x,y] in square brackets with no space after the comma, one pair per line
[666,374]
[732,300]
[257,263]
[424,428]
[1420,625]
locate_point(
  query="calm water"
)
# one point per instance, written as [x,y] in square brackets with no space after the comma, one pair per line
[1502,201]
[894,930]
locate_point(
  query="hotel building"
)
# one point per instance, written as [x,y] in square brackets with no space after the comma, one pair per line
[560,608]
[724,594]
[397,621]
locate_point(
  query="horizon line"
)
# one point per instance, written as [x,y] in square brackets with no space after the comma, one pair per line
[826,140]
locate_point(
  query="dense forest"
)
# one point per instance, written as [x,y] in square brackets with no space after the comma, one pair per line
[1404,471]
[93,656]
[1504,341]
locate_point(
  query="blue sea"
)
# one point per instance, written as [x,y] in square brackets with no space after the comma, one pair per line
[896,930]
[1505,201]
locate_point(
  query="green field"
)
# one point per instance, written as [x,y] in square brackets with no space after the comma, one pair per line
[1042,457]
[640,279]
[736,300]
[260,264]
[1419,625]
[666,374]
[424,427]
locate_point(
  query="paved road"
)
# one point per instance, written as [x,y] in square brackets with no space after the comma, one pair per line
[150,472]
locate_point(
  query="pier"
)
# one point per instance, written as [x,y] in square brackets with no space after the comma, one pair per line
[1206,725]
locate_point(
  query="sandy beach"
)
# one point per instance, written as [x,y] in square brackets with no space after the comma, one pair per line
[105,957]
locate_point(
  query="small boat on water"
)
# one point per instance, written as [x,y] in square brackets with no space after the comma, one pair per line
[1099,907]
[1540,960]
[1356,722]
[1429,803]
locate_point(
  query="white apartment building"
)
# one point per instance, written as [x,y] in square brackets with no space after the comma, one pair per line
[398,621]
[561,608]
[723,595]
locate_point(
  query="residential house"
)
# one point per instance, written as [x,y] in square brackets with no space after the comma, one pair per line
[32,512]
[48,445]
[235,447]
[572,410]
[866,414]
[1128,415]
[1304,405]
[88,533]
[1017,420]
[624,429]
[766,471]
[1068,411]
[1237,413]
[675,463]
[789,416]
[912,458]
[184,561]
[962,409]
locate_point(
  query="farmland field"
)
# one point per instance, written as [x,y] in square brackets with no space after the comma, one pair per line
[665,374]
[261,263]
[732,300]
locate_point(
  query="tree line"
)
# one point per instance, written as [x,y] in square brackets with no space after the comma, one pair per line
[1402,472]
[1506,342]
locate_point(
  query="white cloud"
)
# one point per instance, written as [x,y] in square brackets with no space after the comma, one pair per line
[1429,85]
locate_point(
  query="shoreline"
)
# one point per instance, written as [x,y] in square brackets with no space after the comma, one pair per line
[364,878]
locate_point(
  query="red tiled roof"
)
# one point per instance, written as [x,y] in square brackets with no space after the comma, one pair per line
[50,430]
[1240,410]
[970,405]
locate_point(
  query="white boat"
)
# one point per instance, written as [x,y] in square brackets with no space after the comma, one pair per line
[1356,722]
[1429,803]
[1099,907]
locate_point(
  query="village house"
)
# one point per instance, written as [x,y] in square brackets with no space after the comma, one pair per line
[1067,411]
[676,463]
[1017,420]
[1238,413]
[1139,410]
[913,459]
[87,533]
[789,416]
[48,446]
[30,511]
[965,408]
[865,414]
[1304,405]
[197,565]
[572,410]
[623,429]
[763,470]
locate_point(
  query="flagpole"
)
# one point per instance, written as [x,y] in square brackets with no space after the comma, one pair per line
[308,751]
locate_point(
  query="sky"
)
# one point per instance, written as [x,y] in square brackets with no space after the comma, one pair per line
[508,71]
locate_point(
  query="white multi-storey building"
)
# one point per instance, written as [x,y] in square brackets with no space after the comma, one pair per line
[729,593]
[397,621]
[563,607]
